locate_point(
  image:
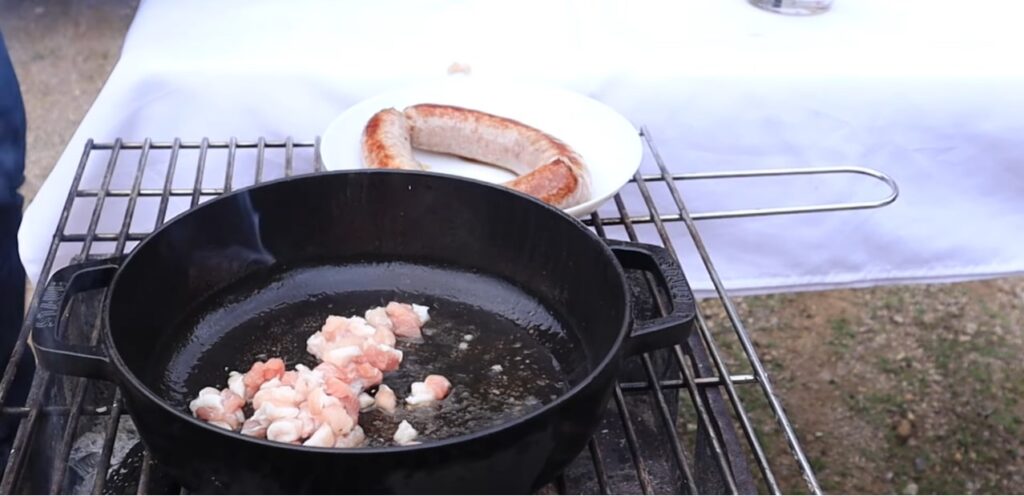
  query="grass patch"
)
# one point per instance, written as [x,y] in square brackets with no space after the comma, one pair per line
[888,365]
[843,335]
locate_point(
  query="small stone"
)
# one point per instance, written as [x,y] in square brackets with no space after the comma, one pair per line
[972,487]
[971,328]
[819,434]
[920,465]
[897,319]
[904,429]
[958,457]
[691,427]
[889,476]
[910,488]
[910,416]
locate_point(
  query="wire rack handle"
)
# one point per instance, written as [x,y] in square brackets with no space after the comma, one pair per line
[894,190]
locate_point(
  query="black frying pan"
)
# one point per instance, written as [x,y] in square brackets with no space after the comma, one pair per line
[255,272]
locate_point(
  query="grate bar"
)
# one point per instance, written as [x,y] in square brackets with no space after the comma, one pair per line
[631,441]
[155,193]
[53,411]
[145,472]
[724,467]
[643,387]
[172,164]
[748,430]
[60,462]
[318,162]
[133,199]
[670,429]
[200,169]
[229,171]
[81,238]
[748,348]
[634,219]
[98,207]
[196,145]
[599,467]
[108,445]
[289,155]
[260,148]
[16,462]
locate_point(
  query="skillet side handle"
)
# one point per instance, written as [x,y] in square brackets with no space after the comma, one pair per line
[674,328]
[51,353]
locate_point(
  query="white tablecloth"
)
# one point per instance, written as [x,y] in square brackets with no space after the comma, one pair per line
[931,92]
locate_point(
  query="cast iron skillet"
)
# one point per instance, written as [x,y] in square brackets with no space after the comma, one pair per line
[256,270]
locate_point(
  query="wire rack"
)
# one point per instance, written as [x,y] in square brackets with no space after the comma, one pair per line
[681,419]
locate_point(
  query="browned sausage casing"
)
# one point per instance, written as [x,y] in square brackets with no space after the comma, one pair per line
[548,169]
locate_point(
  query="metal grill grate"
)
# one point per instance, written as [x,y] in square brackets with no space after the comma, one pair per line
[680,420]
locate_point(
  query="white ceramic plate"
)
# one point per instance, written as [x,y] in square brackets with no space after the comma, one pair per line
[608,143]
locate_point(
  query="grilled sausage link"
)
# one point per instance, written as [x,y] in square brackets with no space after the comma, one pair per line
[548,169]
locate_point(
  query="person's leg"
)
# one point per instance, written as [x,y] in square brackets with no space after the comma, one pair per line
[12,274]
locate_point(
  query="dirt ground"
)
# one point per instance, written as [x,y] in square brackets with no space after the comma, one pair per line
[908,389]
[62,51]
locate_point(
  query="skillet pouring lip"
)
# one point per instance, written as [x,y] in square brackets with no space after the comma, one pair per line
[125,375]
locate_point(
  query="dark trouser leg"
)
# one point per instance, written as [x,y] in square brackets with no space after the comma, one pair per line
[12,275]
